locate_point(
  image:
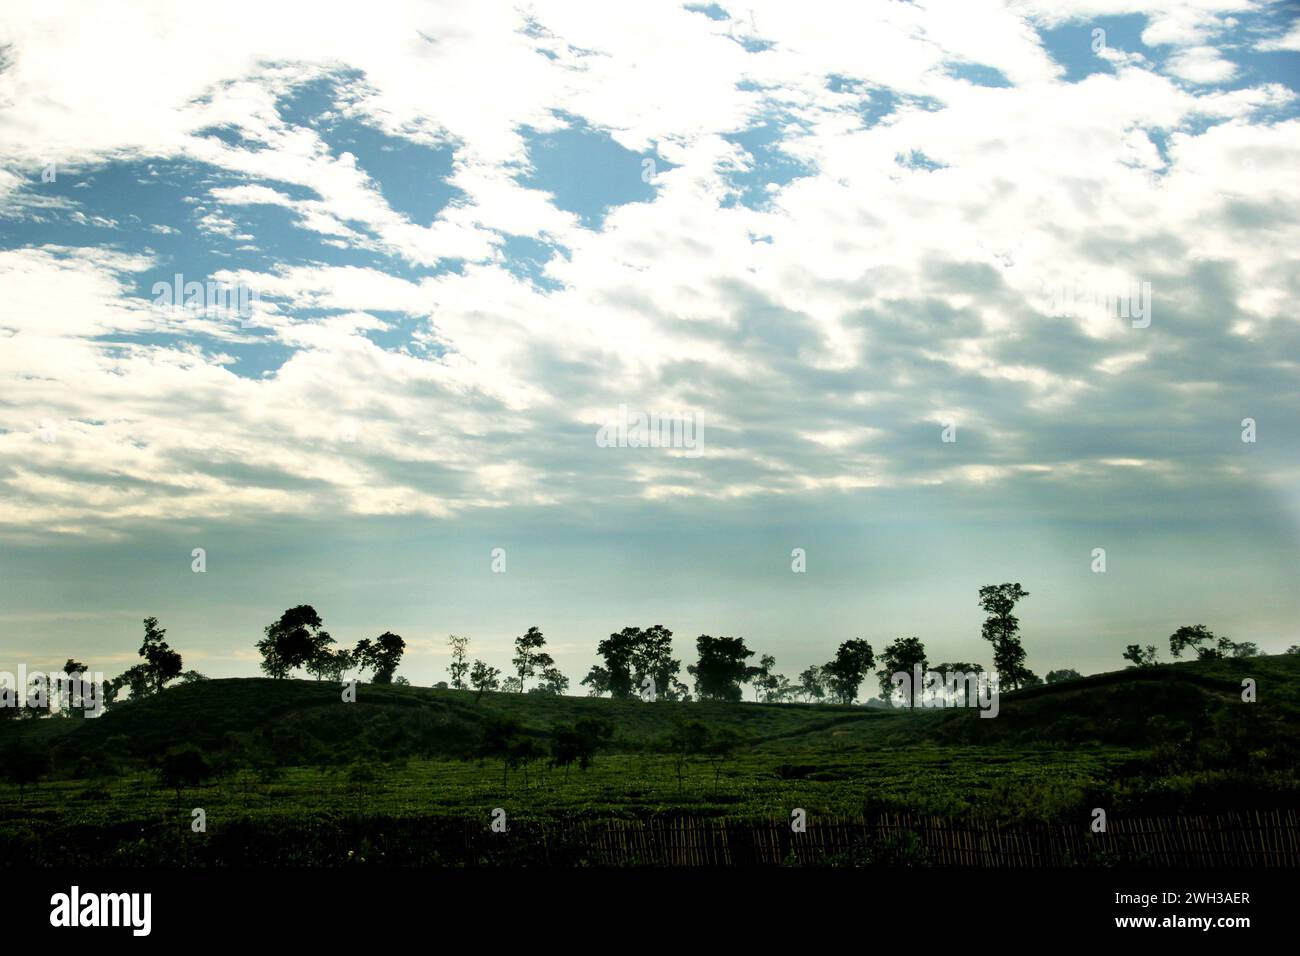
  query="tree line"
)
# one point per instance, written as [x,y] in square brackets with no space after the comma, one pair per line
[639,662]
[635,662]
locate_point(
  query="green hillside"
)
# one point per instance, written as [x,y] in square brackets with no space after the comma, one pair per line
[297,722]
[294,775]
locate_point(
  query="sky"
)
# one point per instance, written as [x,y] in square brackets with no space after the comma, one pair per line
[943,294]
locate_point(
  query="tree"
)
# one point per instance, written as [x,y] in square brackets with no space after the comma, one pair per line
[812,685]
[1138,655]
[381,656]
[459,666]
[483,678]
[183,767]
[1002,630]
[529,657]
[1208,647]
[551,683]
[327,664]
[23,764]
[578,743]
[651,655]
[721,667]
[1065,674]
[163,664]
[726,741]
[596,681]
[953,690]
[901,657]
[296,639]
[135,679]
[1193,636]
[778,689]
[1293,649]
[686,739]
[74,670]
[504,738]
[758,677]
[618,650]
[844,675]
[1238,648]
[523,753]
[953,667]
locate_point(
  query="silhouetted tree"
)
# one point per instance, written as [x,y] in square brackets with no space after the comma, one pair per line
[578,743]
[1002,630]
[617,650]
[181,767]
[1064,674]
[687,739]
[1193,636]
[483,678]
[459,666]
[778,688]
[503,738]
[652,656]
[757,677]
[965,668]
[1138,655]
[161,662]
[901,656]
[135,679]
[297,638]
[596,681]
[380,656]
[68,707]
[721,667]
[812,685]
[529,656]
[844,675]
[721,748]
[551,683]
[23,764]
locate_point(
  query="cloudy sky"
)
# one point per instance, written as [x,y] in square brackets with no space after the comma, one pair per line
[830,236]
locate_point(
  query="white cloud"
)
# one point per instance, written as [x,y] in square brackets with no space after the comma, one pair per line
[817,335]
[1202,64]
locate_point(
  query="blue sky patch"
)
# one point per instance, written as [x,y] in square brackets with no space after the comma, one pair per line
[587,171]
[770,164]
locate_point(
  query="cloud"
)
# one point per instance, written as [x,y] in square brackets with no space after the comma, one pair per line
[1202,64]
[850,240]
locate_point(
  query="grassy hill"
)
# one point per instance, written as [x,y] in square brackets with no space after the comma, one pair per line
[301,777]
[295,722]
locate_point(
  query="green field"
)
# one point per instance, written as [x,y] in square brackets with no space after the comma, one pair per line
[298,776]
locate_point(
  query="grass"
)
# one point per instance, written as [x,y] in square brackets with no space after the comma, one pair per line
[309,775]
